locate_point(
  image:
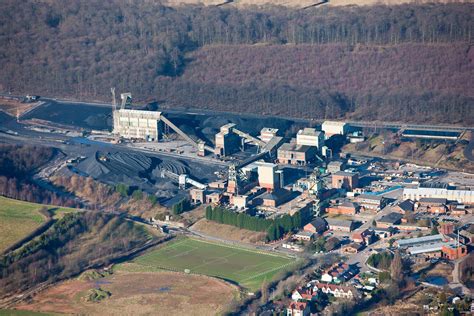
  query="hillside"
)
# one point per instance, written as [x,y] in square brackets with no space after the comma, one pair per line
[407,82]
[367,62]
[72,244]
[299,3]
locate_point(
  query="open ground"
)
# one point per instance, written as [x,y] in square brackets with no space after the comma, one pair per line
[142,293]
[245,267]
[228,232]
[19,218]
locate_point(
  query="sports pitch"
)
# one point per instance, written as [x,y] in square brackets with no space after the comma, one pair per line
[246,267]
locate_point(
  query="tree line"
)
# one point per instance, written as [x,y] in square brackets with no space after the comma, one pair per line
[181,206]
[17,165]
[60,252]
[275,228]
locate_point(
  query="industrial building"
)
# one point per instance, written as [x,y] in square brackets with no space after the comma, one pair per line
[389,220]
[335,166]
[293,154]
[345,180]
[226,141]
[146,125]
[331,128]
[310,137]
[267,133]
[340,225]
[137,124]
[371,202]
[268,177]
[303,149]
[441,191]
[419,241]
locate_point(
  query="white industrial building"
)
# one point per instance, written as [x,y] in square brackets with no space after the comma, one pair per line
[310,137]
[137,124]
[268,176]
[334,128]
[441,191]
[267,133]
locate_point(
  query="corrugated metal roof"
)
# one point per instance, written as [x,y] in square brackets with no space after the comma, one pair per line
[424,239]
[428,248]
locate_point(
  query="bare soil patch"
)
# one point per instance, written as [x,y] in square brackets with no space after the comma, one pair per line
[14,107]
[228,232]
[162,293]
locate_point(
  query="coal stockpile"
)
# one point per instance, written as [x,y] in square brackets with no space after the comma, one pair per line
[176,167]
[199,125]
[139,170]
[82,115]
[129,164]
[126,167]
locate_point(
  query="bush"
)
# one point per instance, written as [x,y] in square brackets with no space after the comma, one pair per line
[122,189]
[181,207]
[137,194]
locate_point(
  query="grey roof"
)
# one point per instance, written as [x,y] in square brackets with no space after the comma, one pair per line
[304,233]
[339,222]
[273,142]
[419,240]
[318,222]
[407,205]
[427,248]
[370,197]
[434,185]
[345,173]
[275,195]
[309,131]
[294,147]
[382,229]
[433,200]
[391,218]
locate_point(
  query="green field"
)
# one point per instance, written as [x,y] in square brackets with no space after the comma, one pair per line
[246,267]
[19,218]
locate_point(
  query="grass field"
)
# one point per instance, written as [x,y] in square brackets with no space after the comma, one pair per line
[19,218]
[246,267]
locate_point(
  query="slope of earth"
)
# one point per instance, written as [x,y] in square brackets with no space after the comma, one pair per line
[227,232]
[406,82]
[143,293]
[434,153]
[19,218]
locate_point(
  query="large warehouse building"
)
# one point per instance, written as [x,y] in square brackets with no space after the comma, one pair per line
[441,191]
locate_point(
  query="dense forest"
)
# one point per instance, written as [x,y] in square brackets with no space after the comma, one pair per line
[72,244]
[361,62]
